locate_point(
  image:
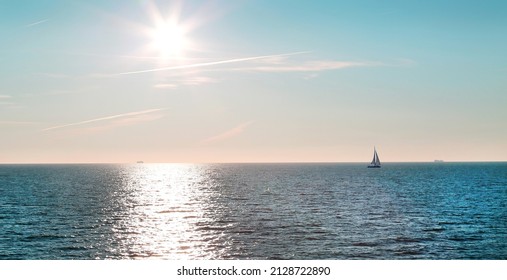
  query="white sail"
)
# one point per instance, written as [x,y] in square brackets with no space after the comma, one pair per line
[376,161]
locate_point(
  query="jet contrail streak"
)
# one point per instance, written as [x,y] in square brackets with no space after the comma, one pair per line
[210,63]
[105,118]
[36,23]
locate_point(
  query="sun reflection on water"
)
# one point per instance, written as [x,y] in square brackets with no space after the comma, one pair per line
[170,202]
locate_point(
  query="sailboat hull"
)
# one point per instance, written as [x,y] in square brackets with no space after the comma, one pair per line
[373,166]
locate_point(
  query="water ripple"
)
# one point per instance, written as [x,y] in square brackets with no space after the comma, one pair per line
[253,211]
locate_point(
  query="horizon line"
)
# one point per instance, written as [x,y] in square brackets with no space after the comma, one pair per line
[250,162]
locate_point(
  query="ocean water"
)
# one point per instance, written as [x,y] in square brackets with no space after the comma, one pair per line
[254,211]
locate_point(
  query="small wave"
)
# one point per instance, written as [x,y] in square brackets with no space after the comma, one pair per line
[139,255]
[365,244]
[244,231]
[305,194]
[127,232]
[438,229]
[224,221]
[277,257]
[313,238]
[175,211]
[190,217]
[211,228]
[407,240]
[184,248]
[465,238]
[42,237]
[72,248]
[239,198]
[408,253]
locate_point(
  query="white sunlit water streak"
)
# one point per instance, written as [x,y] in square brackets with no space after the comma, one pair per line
[254,211]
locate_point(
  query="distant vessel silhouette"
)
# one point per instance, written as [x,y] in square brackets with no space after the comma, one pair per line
[375,163]
[140,161]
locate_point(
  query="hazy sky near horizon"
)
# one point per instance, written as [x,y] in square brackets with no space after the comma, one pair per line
[252,80]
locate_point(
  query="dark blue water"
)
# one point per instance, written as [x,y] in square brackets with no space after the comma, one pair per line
[254,211]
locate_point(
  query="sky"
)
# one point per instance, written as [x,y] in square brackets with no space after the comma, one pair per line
[252,81]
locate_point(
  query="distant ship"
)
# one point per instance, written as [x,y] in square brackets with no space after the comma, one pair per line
[140,161]
[375,163]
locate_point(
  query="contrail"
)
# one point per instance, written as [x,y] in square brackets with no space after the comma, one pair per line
[229,133]
[211,63]
[105,118]
[36,23]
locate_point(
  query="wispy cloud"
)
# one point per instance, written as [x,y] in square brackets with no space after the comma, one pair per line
[205,64]
[6,100]
[193,81]
[165,86]
[120,120]
[404,62]
[37,23]
[271,64]
[310,66]
[54,75]
[228,134]
[188,81]
[127,57]
[311,76]
[16,123]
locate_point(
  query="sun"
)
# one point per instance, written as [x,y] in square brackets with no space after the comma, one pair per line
[169,39]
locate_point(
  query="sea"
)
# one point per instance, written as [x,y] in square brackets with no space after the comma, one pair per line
[296,211]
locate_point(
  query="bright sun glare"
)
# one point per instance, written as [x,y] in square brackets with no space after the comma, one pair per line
[169,40]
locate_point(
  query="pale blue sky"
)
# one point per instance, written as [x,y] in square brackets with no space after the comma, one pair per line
[253,81]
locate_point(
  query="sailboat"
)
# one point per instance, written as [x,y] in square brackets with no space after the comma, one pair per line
[375,163]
